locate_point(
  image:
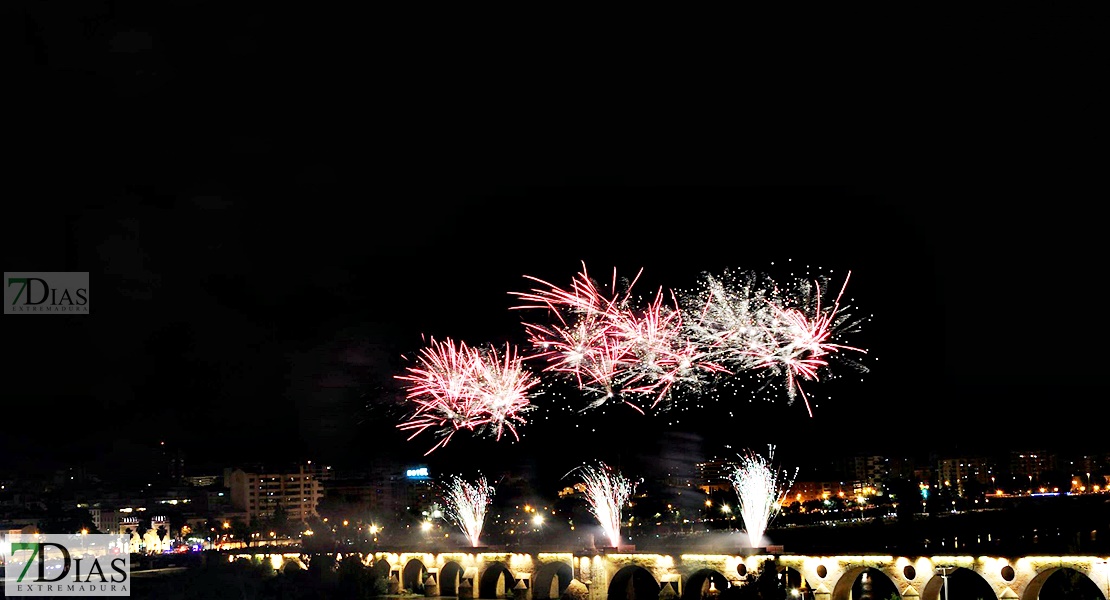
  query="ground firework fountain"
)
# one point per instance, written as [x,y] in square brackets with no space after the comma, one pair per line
[467,504]
[607,491]
[761,489]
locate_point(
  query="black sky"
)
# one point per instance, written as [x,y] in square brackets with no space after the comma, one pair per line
[273,211]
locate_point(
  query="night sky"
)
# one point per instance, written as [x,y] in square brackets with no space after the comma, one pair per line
[273,210]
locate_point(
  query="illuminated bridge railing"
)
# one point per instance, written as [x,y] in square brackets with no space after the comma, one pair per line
[619,574]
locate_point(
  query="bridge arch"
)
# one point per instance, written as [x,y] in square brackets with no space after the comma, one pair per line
[633,582]
[413,575]
[496,581]
[867,583]
[962,583]
[450,574]
[700,582]
[381,568]
[288,560]
[791,577]
[551,580]
[1082,585]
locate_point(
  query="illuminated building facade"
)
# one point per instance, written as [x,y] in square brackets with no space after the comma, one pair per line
[259,494]
[1031,464]
[960,473]
[715,475]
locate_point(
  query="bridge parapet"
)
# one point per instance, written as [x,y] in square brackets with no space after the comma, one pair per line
[614,575]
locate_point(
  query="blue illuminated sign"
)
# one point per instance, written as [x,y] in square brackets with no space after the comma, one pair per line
[417,473]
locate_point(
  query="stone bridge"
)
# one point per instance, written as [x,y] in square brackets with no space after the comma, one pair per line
[628,575]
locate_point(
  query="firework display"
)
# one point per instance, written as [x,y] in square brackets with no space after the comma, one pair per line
[614,348]
[761,489]
[455,387]
[607,491]
[466,504]
[730,324]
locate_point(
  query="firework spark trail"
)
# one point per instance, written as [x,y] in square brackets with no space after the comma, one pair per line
[456,387]
[761,491]
[583,297]
[607,491]
[602,372]
[466,504]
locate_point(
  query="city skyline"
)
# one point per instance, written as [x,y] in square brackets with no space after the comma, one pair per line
[161,468]
[150,466]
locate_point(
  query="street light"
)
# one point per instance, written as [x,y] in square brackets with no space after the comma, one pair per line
[944,571]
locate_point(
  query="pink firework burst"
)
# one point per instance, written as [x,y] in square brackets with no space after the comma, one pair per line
[440,387]
[456,387]
[611,348]
[582,343]
[501,389]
